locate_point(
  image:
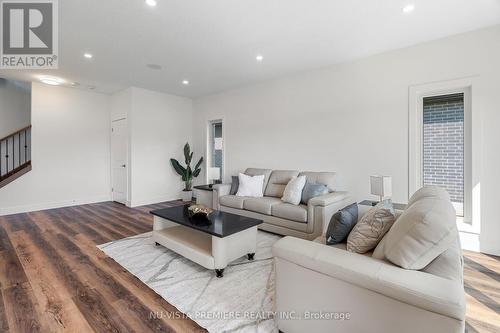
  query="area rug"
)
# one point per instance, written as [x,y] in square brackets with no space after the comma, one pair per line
[242,301]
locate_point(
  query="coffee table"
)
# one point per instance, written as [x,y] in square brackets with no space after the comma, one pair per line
[212,243]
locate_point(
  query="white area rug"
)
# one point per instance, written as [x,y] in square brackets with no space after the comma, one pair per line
[242,301]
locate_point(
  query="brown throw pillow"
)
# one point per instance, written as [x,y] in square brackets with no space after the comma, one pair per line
[372,227]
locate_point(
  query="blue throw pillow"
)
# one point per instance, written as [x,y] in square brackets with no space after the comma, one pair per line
[312,190]
[341,224]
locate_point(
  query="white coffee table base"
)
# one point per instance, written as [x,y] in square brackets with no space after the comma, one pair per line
[202,248]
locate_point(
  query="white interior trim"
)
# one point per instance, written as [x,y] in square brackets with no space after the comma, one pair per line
[208,149]
[470,222]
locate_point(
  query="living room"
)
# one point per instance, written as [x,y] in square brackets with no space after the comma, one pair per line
[283,98]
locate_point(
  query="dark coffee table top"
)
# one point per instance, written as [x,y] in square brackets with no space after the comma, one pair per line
[219,224]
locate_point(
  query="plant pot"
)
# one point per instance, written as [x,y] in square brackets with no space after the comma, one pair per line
[187,195]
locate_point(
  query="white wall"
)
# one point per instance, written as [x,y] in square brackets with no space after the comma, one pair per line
[70,152]
[353,118]
[160,124]
[15,106]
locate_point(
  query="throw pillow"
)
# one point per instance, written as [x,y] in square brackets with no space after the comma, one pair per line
[250,186]
[425,230]
[429,191]
[368,232]
[341,224]
[234,185]
[312,190]
[293,190]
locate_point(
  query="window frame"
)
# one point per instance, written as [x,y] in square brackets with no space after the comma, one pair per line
[208,147]
[415,154]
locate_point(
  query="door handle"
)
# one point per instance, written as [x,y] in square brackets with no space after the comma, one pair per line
[123,165]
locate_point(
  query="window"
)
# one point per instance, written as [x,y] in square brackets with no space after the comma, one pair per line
[443,145]
[441,148]
[215,164]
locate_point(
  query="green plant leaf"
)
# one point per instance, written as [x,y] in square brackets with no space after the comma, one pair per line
[199,163]
[187,153]
[177,167]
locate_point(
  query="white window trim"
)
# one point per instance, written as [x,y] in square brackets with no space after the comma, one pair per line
[208,148]
[471,220]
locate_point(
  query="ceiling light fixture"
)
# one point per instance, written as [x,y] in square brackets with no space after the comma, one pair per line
[153,66]
[88,55]
[50,80]
[185,82]
[408,8]
[151,3]
[259,57]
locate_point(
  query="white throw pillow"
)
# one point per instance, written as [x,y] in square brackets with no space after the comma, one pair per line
[293,190]
[425,230]
[250,186]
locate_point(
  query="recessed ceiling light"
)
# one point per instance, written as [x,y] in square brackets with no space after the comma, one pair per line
[259,57]
[53,81]
[408,8]
[151,3]
[153,66]
[185,82]
[88,55]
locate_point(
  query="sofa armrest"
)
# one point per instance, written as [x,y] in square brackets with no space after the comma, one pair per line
[328,199]
[419,289]
[219,190]
[320,210]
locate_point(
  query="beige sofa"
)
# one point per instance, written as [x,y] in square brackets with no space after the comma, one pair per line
[375,295]
[303,221]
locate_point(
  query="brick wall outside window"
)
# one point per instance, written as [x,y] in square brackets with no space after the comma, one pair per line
[443,151]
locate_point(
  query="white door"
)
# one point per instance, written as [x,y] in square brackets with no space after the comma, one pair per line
[119,160]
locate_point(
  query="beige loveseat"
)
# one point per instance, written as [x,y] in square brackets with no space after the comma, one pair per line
[314,280]
[303,221]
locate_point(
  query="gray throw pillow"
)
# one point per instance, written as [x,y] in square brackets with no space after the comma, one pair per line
[341,224]
[235,183]
[312,190]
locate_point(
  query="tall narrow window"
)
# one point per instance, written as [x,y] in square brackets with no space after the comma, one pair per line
[216,152]
[443,145]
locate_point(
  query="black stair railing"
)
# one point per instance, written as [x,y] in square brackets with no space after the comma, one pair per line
[15,152]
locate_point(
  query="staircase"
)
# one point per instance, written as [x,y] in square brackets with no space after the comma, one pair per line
[15,155]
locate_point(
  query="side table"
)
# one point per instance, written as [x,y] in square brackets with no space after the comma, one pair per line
[204,195]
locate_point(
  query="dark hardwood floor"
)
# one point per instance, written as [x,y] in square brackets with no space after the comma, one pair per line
[54,279]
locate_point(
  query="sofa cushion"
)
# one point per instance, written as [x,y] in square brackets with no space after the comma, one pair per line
[261,205]
[312,190]
[278,181]
[293,190]
[368,232]
[235,183]
[250,186]
[429,191]
[426,229]
[258,172]
[449,264]
[288,211]
[341,224]
[232,201]
[327,178]
[340,246]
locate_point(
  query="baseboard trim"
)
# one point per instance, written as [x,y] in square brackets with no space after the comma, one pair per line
[470,241]
[151,201]
[52,205]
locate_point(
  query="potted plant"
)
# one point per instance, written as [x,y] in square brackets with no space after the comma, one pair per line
[187,173]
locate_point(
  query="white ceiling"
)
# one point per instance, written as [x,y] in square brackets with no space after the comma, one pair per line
[213,43]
